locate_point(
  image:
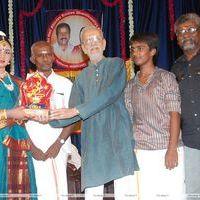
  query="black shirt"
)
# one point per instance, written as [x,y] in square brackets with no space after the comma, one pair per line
[188,77]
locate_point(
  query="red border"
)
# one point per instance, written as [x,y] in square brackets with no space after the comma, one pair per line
[70,66]
[23,14]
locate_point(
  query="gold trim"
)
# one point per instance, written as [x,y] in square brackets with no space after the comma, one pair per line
[69,74]
[3,115]
[17,144]
[6,122]
[3,124]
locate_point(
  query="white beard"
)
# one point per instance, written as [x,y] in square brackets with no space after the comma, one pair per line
[188,45]
[96,56]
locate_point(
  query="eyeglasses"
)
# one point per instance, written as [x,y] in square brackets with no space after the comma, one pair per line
[92,39]
[190,30]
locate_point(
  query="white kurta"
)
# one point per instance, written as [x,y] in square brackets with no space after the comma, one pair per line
[51,177]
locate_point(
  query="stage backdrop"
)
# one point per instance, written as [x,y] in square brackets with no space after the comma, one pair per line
[31,22]
[30,18]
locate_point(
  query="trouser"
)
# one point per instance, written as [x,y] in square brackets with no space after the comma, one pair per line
[192,173]
[123,189]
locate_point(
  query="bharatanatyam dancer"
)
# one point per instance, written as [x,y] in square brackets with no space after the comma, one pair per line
[17,177]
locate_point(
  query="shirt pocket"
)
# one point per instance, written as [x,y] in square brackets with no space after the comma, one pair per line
[58,100]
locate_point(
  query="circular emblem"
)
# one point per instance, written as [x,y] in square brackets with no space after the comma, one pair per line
[63,34]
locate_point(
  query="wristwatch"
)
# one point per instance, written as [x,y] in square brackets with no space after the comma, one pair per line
[62,141]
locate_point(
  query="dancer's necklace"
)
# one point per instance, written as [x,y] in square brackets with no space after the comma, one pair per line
[10,86]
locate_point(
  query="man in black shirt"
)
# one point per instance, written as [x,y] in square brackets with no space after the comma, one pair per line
[187,71]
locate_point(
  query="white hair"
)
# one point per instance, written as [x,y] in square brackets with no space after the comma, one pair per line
[187,17]
[86,28]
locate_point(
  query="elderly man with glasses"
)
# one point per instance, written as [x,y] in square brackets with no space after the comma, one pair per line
[187,71]
[97,98]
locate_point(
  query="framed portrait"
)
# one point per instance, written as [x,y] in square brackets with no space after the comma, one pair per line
[64,35]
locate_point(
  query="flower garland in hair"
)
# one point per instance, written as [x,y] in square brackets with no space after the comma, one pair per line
[130,18]
[23,14]
[11,34]
[122,21]
[171,18]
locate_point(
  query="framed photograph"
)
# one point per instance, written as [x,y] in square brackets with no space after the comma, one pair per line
[64,35]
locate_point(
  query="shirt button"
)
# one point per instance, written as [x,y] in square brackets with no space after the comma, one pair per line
[195,114]
[97,74]
[189,64]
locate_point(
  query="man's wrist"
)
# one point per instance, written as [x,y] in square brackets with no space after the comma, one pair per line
[61,141]
[172,148]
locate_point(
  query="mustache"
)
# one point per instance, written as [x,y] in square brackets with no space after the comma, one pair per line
[188,44]
[94,47]
[63,38]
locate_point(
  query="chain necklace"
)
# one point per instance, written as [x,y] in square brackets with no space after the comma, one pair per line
[10,86]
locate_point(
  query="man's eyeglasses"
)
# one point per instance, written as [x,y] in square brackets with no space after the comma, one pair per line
[92,39]
[190,30]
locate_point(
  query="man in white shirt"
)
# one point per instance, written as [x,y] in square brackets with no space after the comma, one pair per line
[63,49]
[51,160]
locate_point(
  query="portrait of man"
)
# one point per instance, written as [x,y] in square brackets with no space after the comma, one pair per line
[63,33]
[65,50]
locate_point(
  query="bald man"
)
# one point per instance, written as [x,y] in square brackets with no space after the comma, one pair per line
[50,166]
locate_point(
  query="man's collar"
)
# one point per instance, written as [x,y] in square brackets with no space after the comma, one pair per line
[42,74]
[102,60]
[184,58]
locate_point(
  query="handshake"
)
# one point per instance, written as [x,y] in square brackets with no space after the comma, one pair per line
[45,115]
[41,115]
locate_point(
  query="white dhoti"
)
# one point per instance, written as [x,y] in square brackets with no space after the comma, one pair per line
[154,181]
[51,175]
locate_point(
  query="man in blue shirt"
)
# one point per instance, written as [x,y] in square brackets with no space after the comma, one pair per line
[107,143]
